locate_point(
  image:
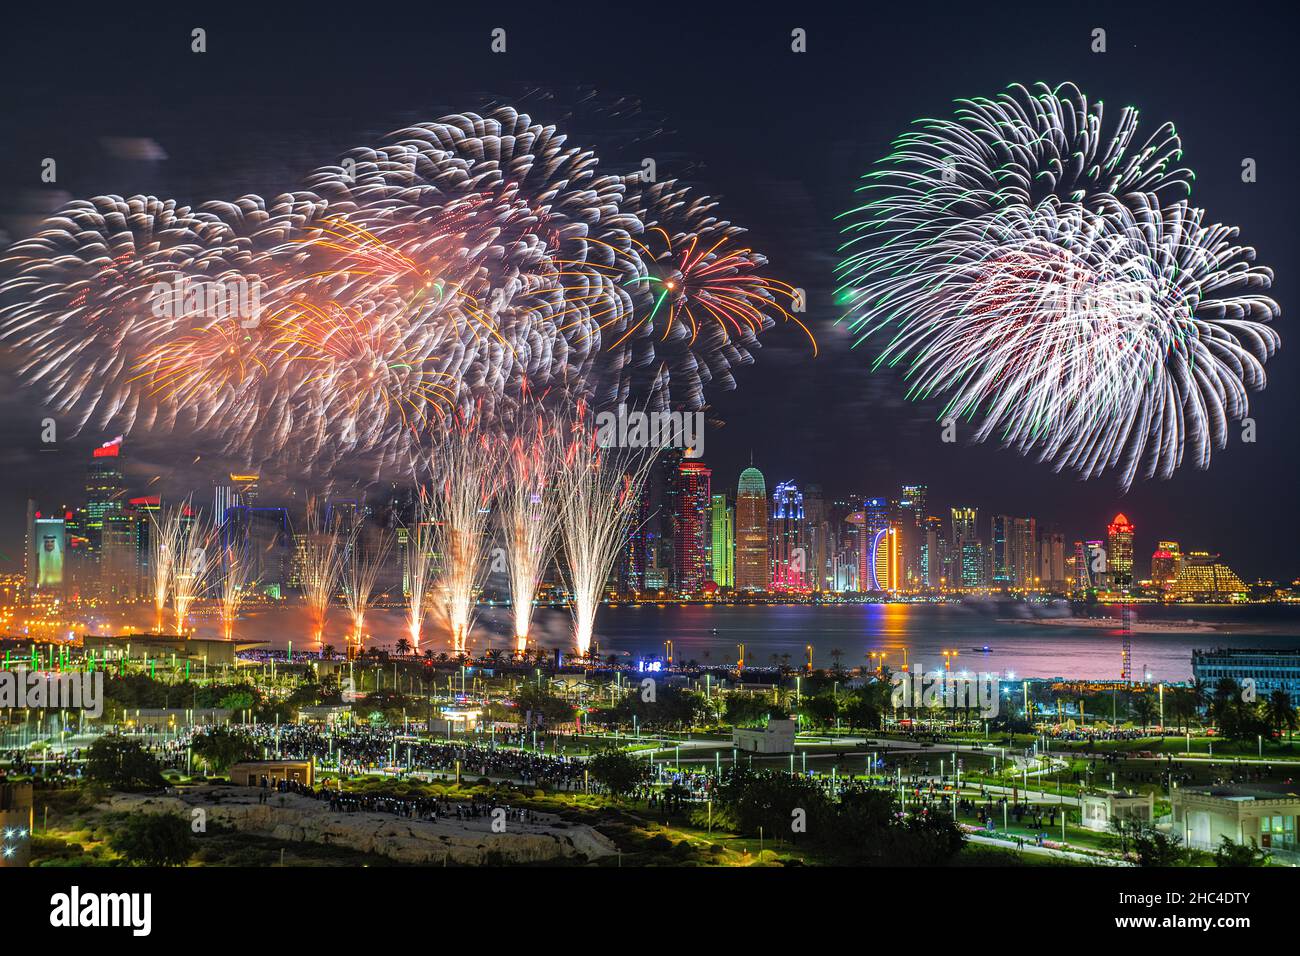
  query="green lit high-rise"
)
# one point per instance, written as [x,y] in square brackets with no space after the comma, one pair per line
[722,546]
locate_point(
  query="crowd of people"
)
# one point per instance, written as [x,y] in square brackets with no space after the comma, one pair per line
[355,751]
[430,808]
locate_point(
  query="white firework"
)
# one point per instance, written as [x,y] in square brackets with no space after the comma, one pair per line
[420,568]
[529,507]
[320,561]
[363,559]
[466,473]
[600,492]
[1053,284]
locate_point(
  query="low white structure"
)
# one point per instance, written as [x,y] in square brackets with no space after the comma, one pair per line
[1264,813]
[776,738]
[1099,808]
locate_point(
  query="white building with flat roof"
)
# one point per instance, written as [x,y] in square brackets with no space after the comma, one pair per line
[776,738]
[1262,812]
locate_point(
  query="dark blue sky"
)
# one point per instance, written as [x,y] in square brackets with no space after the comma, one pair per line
[780,137]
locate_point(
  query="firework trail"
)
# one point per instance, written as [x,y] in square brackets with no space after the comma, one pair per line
[321,559]
[528,508]
[1047,276]
[192,566]
[165,540]
[236,584]
[470,263]
[600,490]
[420,567]
[466,476]
[362,562]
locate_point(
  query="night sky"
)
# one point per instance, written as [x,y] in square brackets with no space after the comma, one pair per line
[781,138]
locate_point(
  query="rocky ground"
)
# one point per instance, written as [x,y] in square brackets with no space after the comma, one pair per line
[295,818]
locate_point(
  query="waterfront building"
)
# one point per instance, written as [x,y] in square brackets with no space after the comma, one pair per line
[876,547]
[722,550]
[1166,562]
[691,531]
[1270,670]
[818,539]
[751,532]
[1119,551]
[1203,577]
[1051,561]
[789,552]
[46,551]
[1014,552]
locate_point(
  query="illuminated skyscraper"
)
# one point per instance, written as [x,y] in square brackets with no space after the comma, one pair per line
[105,491]
[789,552]
[1119,551]
[875,543]
[1000,537]
[818,539]
[1166,562]
[1014,553]
[910,525]
[722,551]
[934,553]
[751,532]
[691,531]
[1051,560]
[119,565]
[965,524]
[46,550]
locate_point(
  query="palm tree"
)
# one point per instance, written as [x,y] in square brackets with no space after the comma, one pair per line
[1280,712]
[403,647]
[1226,693]
[327,652]
[1144,708]
[836,654]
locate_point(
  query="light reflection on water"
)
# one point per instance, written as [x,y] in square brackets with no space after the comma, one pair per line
[776,634]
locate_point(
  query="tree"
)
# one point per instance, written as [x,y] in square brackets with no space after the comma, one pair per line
[820,711]
[221,747]
[153,839]
[122,764]
[1280,712]
[539,700]
[618,771]
[403,647]
[1154,847]
[1239,854]
[1143,708]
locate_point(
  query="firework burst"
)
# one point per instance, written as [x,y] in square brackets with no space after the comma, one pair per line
[1050,280]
